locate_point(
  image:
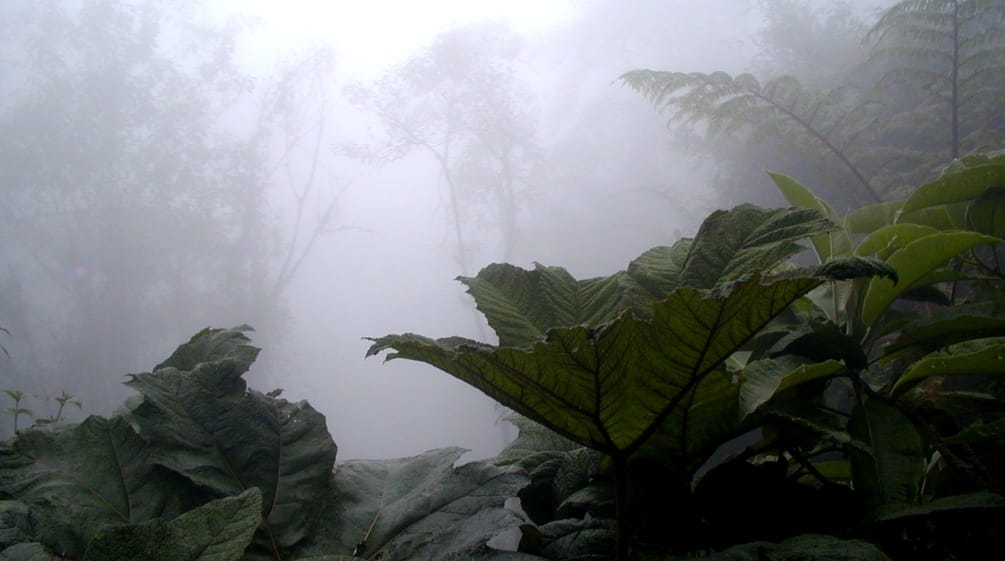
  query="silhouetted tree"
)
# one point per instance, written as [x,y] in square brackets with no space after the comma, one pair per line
[135,210]
[458,101]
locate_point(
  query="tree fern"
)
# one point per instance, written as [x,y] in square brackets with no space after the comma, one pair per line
[831,124]
[953,53]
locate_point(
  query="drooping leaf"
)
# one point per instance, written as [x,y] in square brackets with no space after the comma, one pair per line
[763,379]
[913,262]
[611,388]
[832,244]
[847,268]
[522,305]
[415,508]
[735,243]
[81,478]
[206,426]
[987,359]
[217,531]
[891,472]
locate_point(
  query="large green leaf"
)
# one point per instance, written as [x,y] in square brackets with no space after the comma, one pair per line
[763,379]
[960,360]
[892,237]
[216,345]
[872,217]
[829,245]
[735,243]
[206,426]
[656,273]
[953,325]
[81,478]
[217,531]
[892,471]
[532,438]
[522,305]
[611,388]
[913,262]
[962,184]
[415,508]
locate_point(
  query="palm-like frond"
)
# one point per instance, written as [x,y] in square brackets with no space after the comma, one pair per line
[950,49]
[829,122]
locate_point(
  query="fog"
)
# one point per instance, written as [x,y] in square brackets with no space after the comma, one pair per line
[169,166]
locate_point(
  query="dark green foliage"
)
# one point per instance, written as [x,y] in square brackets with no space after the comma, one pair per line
[711,398]
[195,435]
[217,531]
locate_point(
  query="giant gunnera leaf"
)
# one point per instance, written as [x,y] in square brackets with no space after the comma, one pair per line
[521,305]
[205,425]
[611,387]
[78,479]
[420,507]
[217,531]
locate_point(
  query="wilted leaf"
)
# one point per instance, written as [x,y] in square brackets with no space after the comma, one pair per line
[847,268]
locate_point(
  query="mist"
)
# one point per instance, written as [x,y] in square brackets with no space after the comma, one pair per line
[323,172]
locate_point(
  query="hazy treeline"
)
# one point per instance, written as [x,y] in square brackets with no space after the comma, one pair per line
[154,182]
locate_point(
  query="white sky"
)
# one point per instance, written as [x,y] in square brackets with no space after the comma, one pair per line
[368,35]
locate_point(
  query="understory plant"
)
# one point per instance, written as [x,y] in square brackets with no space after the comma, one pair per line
[816,385]
[722,397]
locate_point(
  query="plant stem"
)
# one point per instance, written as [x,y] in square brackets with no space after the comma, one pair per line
[620,462]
